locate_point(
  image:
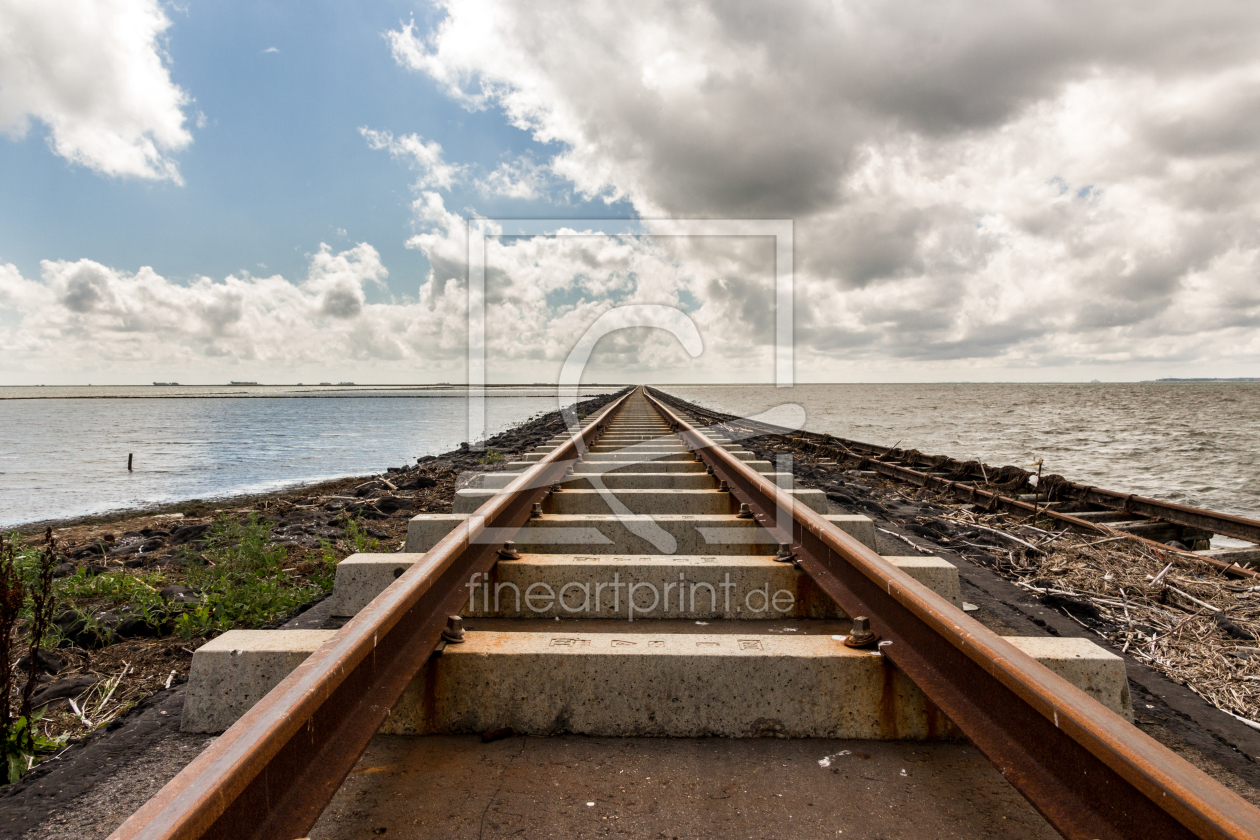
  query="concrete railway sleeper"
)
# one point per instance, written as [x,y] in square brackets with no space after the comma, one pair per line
[671,553]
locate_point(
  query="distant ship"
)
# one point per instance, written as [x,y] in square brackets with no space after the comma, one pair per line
[234,382]
[325,383]
[165,383]
[345,383]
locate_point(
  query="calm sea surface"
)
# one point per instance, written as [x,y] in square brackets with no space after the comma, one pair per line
[1196,443]
[63,451]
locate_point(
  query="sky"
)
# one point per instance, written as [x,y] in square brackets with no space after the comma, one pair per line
[281,192]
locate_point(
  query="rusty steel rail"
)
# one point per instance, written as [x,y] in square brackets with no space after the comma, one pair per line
[1190,516]
[271,775]
[1090,773]
[1238,527]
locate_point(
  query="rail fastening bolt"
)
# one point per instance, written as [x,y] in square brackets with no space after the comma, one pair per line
[861,635]
[453,634]
[537,511]
[745,512]
[723,488]
[784,554]
[509,552]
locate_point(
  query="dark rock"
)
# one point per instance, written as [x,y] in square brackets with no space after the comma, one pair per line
[46,662]
[377,533]
[154,532]
[921,530]
[63,689]
[103,628]
[1180,546]
[64,570]
[1231,629]
[188,533]
[95,569]
[418,483]
[841,498]
[874,506]
[1080,609]
[389,504]
[176,594]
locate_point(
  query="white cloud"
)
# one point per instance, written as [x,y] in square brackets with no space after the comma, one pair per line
[95,73]
[1014,186]
[84,321]
[426,158]
[271,50]
[521,179]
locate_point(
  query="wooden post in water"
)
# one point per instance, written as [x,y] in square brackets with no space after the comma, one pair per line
[129,455]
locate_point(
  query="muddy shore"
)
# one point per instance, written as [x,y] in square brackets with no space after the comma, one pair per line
[105,775]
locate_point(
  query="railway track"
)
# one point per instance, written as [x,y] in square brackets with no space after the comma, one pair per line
[1165,526]
[639,526]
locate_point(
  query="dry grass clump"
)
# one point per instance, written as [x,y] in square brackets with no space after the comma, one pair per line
[1183,618]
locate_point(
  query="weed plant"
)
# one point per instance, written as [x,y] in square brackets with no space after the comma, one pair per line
[26,603]
[242,580]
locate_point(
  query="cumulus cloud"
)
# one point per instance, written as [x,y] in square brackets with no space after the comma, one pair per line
[521,179]
[1018,185]
[85,321]
[426,158]
[95,73]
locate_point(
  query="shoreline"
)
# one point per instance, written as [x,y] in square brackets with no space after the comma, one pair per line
[513,439]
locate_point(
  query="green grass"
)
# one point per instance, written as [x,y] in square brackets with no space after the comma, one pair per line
[491,457]
[241,579]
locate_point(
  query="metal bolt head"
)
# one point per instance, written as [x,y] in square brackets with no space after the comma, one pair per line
[453,634]
[722,487]
[785,555]
[556,488]
[708,468]
[745,512]
[537,511]
[861,635]
[509,552]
